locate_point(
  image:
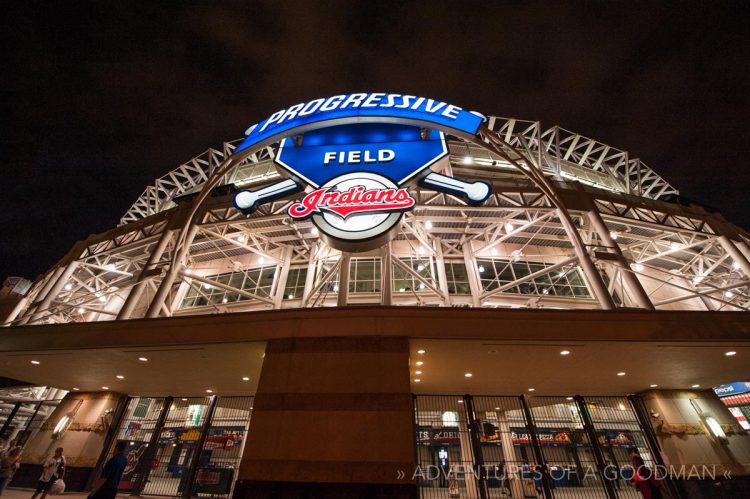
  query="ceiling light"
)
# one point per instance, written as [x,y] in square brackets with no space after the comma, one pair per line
[428,225]
[224,300]
[420,352]
[291,296]
[261,260]
[638,267]
[698,279]
[81,310]
[614,235]
[568,398]
[696,386]
[565,352]
[728,294]
[675,245]
[68,287]
[730,353]
[481,268]
[35,362]
[468,375]
[245,378]
[209,391]
[736,265]
[460,401]
[420,267]
[417,372]
[102,299]
[315,231]
[531,389]
[621,373]
[75,388]
[120,376]
[653,386]
[422,286]
[105,388]
[493,252]
[497,408]
[184,400]
[143,359]
[715,427]
[621,406]
[419,363]
[417,380]
[509,227]
[241,238]
[401,290]
[336,288]
[468,160]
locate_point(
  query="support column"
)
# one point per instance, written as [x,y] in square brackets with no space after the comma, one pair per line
[286,262]
[143,468]
[735,253]
[601,464]
[9,419]
[476,447]
[41,309]
[506,442]
[310,276]
[166,284]
[343,296]
[42,293]
[386,274]
[440,269]
[634,285]
[471,269]
[538,455]
[146,273]
[195,462]
[593,277]
[332,417]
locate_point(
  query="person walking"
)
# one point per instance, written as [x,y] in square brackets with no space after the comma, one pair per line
[9,463]
[644,480]
[52,470]
[106,487]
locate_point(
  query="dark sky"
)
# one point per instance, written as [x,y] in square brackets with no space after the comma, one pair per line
[100,98]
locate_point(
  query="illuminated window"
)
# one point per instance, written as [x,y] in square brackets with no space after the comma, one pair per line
[295,283]
[257,281]
[457,278]
[404,281]
[364,275]
[565,282]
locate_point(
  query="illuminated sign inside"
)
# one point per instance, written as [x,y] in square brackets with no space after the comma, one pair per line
[358,174]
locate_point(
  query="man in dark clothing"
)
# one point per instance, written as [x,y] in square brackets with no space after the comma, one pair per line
[106,487]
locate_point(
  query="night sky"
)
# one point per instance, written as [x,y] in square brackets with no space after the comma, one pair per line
[100,98]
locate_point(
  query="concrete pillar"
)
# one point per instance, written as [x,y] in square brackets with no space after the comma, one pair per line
[53,292]
[166,283]
[343,296]
[332,417]
[511,462]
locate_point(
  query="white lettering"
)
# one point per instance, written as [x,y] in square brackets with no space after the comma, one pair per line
[451,111]
[332,103]
[405,101]
[354,99]
[291,113]
[353,157]
[373,100]
[328,157]
[310,107]
[368,158]
[273,119]
[390,100]
[385,155]
[418,103]
[433,107]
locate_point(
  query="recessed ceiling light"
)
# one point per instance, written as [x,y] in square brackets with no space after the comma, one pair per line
[35,362]
[184,400]
[418,372]
[638,267]
[621,373]
[68,287]
[245,378]
[568,398]
[728,294]
[417,380]
[497,408]
[428,225]
[460,401]
[696,386]
[419,363]
[614,235]
[730,353]
[420,352]
[143,359]
[468,375]
[653,386]
[565,352]
[120,376]
[209,391]
[105,388]
[531,389]
[75,388]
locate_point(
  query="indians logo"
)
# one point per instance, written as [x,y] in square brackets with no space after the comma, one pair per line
[357,180]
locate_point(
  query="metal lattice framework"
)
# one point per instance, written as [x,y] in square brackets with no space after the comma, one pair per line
[522,248]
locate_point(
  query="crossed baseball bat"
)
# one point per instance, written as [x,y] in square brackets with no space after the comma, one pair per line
[474,193]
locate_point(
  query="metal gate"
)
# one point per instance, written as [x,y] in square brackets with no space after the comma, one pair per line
[527,447]
[183,446]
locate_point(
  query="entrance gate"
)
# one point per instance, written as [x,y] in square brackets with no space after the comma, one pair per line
[183,446]
[527,447]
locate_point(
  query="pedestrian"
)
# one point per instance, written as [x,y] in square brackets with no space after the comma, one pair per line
[9,463]
[52,470]
[644,480]
[106,487]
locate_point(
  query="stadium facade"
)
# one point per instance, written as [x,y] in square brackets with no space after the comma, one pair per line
[382,295]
